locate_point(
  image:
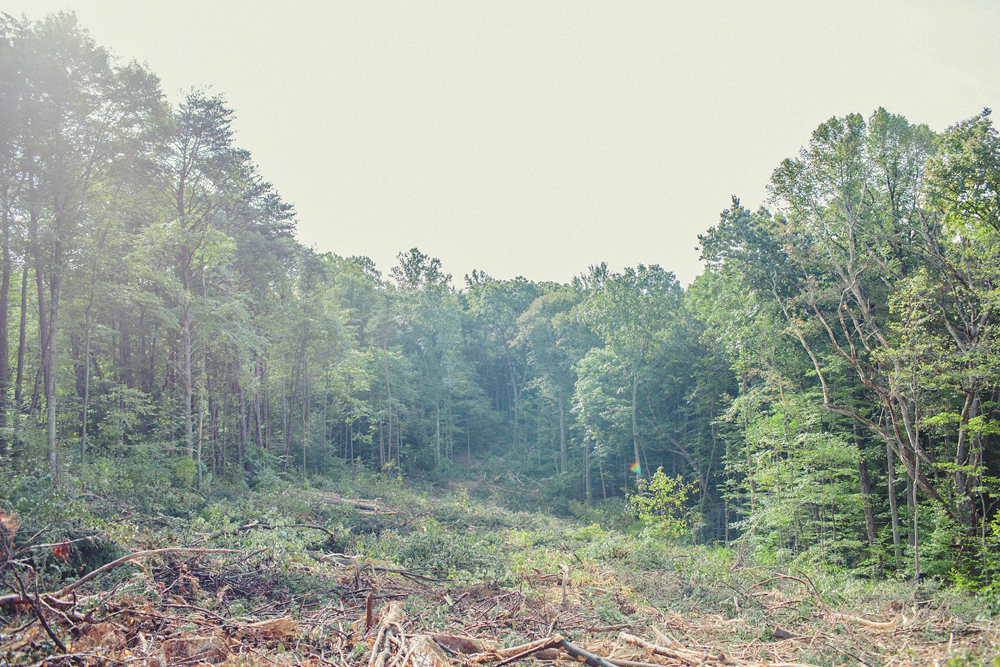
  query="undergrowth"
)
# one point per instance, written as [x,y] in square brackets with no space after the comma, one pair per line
[622,572]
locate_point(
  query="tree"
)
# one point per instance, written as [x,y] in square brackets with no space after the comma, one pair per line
[557,340]
[855,233]
[430,333]
[75,118]
[495,306]
[627,311]
[201,167]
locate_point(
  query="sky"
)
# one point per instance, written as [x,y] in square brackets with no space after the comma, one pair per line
[540,138]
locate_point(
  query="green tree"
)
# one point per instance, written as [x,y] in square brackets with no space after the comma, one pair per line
[74,119]
[627,311]
[557,340]
[495,306]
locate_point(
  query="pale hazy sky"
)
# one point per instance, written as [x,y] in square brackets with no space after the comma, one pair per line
[538,138]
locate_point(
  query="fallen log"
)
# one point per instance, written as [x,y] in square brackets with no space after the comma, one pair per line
[519,652]
[367,506]
[878,625]
[690,657]
[389,626]
[684,655]
[590,658]
[463,644]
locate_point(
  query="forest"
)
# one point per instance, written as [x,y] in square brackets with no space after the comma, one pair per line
[827,390]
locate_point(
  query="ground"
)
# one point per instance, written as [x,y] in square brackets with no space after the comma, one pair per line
[309,577]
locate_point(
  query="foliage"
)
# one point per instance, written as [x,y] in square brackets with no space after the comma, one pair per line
[660,503]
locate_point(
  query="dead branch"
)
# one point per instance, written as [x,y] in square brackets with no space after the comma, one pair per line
[262,526]
[461,644]
[20,599]
[807,582]
[676,652]
[691,657]
[50,545]
[527,649]
[588,657]
[388,627]
[36,606]
[631,663]
[878,625]
[366,506]
[607,628]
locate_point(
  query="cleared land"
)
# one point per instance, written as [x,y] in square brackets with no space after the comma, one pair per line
[386,575]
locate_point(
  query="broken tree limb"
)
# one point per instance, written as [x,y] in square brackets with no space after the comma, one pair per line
[389,626]
[262,526]
[684,655]
[135,555]
[17,599]
[525,650]
[690,657]
[36,606]
[607,628]
[588,657]
[631,663]
[565,578]
[877,625]
[368,506]
[464,644]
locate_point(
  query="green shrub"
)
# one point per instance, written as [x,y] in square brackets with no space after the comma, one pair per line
[182,472]
[449,553]
[659,504]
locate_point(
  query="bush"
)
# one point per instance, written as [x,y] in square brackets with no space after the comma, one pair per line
[659,504]
[182,472]
[450,553]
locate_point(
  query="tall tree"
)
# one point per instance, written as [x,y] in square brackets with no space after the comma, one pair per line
[76,116]
[495,306]
[627,311]
[201,166]
[557,340]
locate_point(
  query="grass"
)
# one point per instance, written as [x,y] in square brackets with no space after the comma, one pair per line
[475,568]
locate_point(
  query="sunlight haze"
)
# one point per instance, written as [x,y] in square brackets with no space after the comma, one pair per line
[535,139]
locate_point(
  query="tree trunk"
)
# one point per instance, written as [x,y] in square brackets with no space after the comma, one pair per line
[86,390]
[186,352]
[388,390]
[967,460]
[152,363]
[203,381]
[635,425]
[894,508]
[4,343]
[916,526]
[51,394]
[86,367]
[866,491]
[201,411]
[21,342]
[288,423]
[437,432]
[257,422]
[43,328]
[241,449]
[563,454]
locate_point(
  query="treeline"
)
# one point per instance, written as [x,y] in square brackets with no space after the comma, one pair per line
[828,386]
